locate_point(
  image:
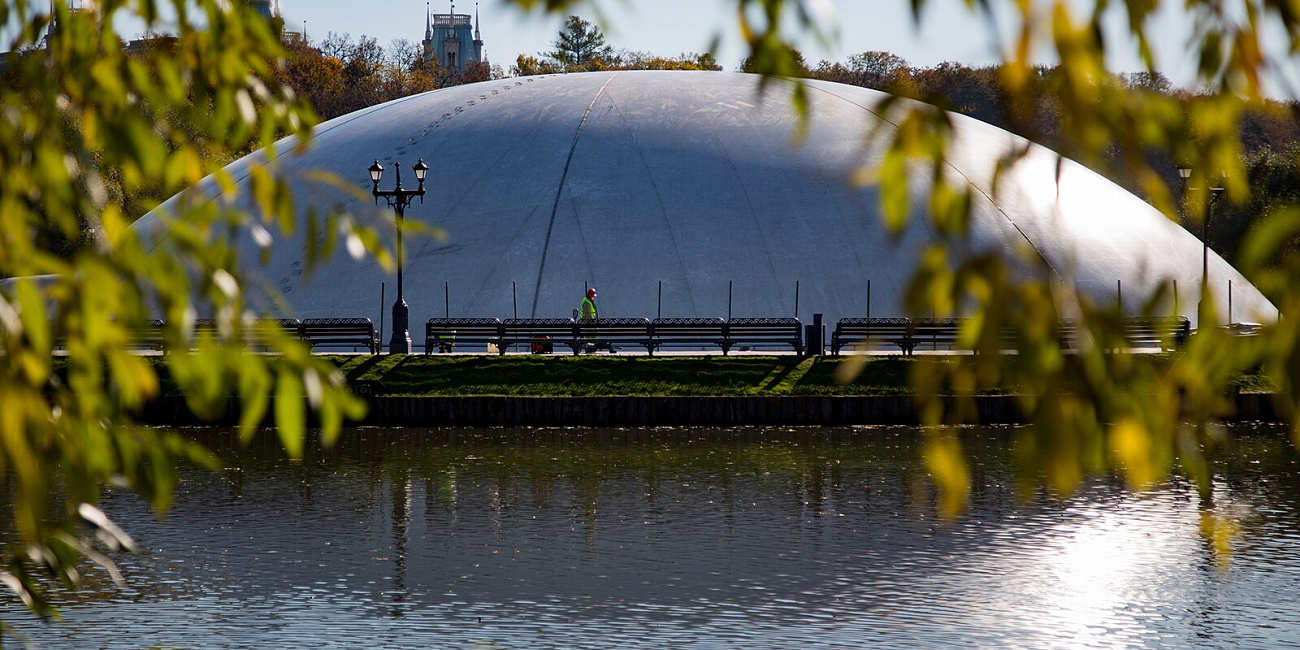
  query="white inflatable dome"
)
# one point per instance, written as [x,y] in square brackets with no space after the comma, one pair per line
[691,181]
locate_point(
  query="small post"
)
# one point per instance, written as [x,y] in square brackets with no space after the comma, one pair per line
[816,344]
[446,299]
[382,301]
[796,298]
[728,300]
[868,298]
[1175,297]
[1119,296]
[514,298]
[1229,302]
[660,312]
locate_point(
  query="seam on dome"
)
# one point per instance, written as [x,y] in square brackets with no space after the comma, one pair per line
[663,213]
[998,208]
[559,191]
[354,116]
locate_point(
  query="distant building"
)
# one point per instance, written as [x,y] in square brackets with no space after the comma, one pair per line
[270,10]
[452,40]
[262,7]
[73,7]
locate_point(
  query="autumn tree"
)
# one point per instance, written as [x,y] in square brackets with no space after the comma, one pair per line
[629,60]
[527,66]
[341,74]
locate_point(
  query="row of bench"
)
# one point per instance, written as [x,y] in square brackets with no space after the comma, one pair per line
[539,334]
[909,334]
[315,332]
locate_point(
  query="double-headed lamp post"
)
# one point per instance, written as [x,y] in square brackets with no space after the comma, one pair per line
[1185,173]
[398,199]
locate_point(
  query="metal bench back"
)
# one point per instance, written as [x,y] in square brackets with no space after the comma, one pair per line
[621,327]
[687,326]
[453,331]
[467,327]
[763,326]
[530,327]
[340,331]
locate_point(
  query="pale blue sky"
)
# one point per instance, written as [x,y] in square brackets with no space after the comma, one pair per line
[668,27]
[671,27]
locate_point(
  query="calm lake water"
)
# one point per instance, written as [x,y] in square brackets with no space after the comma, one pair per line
[733,538]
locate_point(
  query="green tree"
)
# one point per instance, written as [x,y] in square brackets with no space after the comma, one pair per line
[580,44]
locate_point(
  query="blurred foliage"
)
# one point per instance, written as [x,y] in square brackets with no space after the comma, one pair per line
[83,116]
[1268,128]
[80,115]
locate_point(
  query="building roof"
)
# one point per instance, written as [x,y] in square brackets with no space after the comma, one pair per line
[623,180]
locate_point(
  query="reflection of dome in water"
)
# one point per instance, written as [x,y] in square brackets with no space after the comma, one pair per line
[625,179]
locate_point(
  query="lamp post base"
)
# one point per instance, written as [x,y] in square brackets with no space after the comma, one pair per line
[400,343]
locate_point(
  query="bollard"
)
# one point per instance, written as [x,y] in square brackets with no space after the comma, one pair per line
[816,343]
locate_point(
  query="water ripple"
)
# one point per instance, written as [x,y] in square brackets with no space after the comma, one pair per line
[668,538]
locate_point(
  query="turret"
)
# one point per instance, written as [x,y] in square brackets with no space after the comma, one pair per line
[478,38]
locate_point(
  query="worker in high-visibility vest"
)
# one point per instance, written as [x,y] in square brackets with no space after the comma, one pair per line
[587,314]
[587,310]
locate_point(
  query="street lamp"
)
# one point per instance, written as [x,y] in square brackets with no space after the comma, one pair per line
[1186,173]
[398,199]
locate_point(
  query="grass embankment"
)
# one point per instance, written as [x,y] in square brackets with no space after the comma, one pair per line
[604,375]
[608,375]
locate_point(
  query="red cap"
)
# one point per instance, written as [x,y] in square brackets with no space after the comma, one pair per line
[591,293]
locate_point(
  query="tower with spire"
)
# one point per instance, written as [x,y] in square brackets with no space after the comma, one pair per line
[452,39]
[73,7]
[262,8]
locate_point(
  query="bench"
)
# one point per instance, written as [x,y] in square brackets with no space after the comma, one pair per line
[936,332]
[257,334]
[609,333]
[863,332]
[686,331]
[907,334]
[763,331]
[444,333]
[290,327]
[523,332]
[334,332]
[206,326]
[147,334]
[1165,333]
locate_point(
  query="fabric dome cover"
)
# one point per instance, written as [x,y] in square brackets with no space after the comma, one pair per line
[621,180]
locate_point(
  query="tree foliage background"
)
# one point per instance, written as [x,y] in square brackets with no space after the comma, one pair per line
[581,46]
[340,74]
[81,119]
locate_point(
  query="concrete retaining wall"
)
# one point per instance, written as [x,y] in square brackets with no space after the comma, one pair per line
[655,411]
